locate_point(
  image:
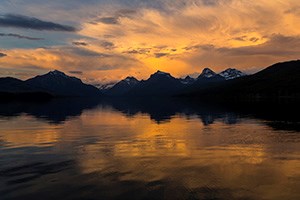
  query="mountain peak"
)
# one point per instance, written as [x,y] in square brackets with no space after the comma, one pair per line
[130,80]
[232,73]
[161,73]
[207,73]
[187,80]
[57,73]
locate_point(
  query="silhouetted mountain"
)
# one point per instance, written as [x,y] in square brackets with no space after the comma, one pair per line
[208,75]
[159,84]
[123,87]
[59,84]
[281,80]
[14,85]
[105,87]
[230,73]
[187,80]
[12,89]
[204,80]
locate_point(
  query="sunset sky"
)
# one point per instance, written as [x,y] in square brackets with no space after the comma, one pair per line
[106,40]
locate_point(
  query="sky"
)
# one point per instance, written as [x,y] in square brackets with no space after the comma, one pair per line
[102,41]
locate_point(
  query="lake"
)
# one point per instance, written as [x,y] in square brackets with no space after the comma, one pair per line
[148,149]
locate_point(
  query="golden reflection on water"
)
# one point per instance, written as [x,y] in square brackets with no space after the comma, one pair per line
[249,158]
[27,131]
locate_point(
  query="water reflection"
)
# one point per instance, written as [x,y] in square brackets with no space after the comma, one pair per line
[140,149]
[278,116]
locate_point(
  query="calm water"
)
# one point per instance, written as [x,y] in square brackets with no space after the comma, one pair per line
[71,149]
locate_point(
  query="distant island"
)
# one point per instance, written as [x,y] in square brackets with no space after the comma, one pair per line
[279,81]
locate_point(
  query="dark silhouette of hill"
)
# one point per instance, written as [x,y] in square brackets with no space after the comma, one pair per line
[279,81]
[14,85]
[52,84]
[159,84]
[59,84]
[122,87]
[12,89]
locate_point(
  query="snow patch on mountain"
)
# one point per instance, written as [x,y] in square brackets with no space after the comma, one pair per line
[231,73]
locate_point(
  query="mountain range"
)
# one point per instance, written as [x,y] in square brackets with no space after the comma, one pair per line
[281,80]
[164,84]
[277,81]
[52,84]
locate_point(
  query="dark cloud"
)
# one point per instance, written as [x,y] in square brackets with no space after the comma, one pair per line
[86,52]
[277,45]
[2,55]
[210,2]
[107,67]
[20,21]
[125,12]
[205,47]
[244,38]
[76,72]
[107,45]
[254,39]
[109,20]
[160,47]
[138,51]
[33,67]
[241,38]
[159,55]
[80,43]
[19,36]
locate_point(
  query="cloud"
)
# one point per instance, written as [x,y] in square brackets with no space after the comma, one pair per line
[107,45]
[240,38]
[250,58]
[106,68]
[109,20]
[76,43]
[76,72]
[85,52]
[20,21]
[2,55]
[138,51]
[159,55]
[19,36]
[277,45]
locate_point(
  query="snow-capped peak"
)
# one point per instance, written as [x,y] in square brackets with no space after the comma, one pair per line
[56,72]
[105,86]
[207,73]
[231,73]
[131,80]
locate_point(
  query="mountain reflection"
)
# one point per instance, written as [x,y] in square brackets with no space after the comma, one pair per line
[160,110]
[54,111]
